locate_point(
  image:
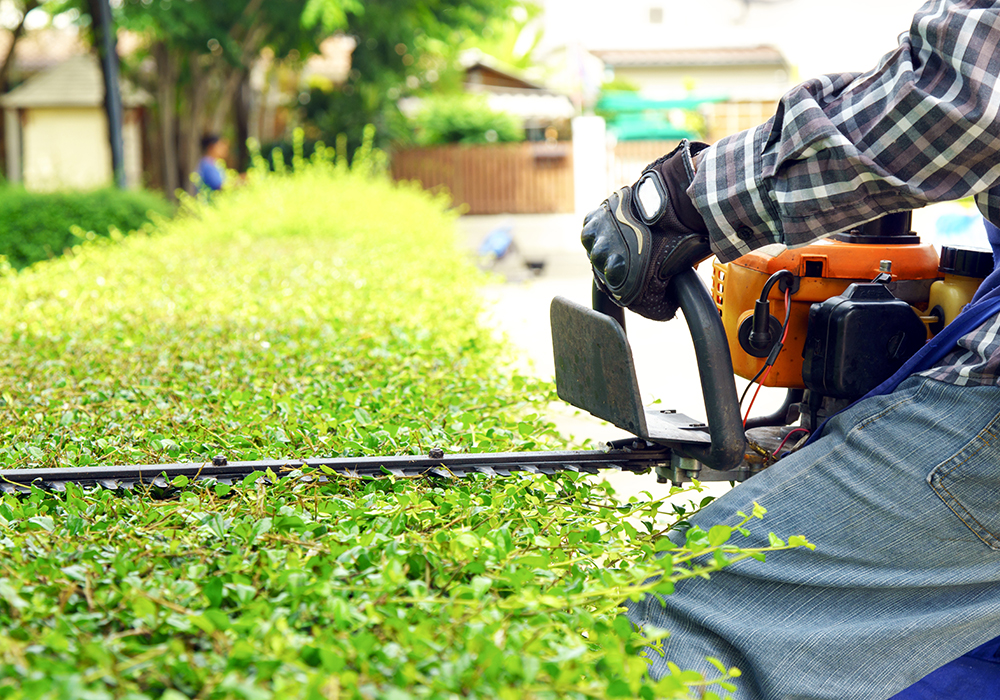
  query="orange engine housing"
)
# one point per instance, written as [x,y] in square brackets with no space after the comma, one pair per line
[823,270]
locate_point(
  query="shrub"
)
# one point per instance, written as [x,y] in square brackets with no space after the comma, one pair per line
[287,149]
[319,312]
[464,119]
[36,226]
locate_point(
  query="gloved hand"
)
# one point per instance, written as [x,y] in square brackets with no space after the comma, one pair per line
[642,235]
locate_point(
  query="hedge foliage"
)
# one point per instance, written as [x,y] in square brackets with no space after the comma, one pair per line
[38,225]
[463,119]
[319,312]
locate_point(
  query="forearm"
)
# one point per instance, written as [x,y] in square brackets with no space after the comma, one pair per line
[841,150]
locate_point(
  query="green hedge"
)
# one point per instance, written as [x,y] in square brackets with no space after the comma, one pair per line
[320,312]
[36,226]
[464,119]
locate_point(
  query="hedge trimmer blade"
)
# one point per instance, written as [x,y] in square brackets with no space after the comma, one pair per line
[633,456]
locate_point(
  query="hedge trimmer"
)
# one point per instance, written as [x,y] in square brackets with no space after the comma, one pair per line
[841,335]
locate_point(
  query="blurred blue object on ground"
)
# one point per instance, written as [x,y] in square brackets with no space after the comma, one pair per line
[498,242]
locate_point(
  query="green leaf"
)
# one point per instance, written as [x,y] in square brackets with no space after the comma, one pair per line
[362,416]
[43,522]
[718,535]
[10,595]
[212,590]
[618,688]
[663,544]
[623,627]
[715,662]
[800,541]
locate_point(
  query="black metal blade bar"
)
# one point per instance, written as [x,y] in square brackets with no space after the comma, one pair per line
[491,464]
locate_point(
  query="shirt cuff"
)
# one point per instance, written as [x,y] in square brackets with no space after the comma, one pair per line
[740,213]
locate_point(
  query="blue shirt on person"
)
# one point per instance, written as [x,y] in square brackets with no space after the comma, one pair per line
[210,173]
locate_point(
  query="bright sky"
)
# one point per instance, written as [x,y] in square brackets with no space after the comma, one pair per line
[816,36]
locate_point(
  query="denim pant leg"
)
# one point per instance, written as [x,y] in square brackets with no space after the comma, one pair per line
[901,497]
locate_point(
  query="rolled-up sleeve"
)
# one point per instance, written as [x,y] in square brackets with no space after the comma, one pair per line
[843,149]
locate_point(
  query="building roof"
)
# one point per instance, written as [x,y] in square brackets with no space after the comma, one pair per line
[489,76]
[482,68]
[669,58]
[76,82]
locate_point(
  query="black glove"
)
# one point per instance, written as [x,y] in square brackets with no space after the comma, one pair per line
[642,235]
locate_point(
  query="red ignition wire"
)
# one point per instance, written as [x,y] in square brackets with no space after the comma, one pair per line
[790,433]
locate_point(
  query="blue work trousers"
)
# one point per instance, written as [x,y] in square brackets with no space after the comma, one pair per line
[901,496]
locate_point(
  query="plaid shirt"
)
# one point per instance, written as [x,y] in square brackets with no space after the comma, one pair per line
[922,127]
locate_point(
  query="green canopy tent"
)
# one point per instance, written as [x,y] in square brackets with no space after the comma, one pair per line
[633,117]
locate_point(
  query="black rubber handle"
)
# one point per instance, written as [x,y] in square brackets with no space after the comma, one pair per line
[715,367]
[603,303]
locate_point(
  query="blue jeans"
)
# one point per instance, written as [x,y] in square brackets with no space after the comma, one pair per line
[901,497]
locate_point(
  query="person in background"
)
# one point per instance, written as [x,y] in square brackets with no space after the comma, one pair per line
[211,172]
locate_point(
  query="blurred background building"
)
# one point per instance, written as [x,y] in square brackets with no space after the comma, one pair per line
[481,105]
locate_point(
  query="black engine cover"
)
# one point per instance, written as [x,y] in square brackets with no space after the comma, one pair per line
[857,340]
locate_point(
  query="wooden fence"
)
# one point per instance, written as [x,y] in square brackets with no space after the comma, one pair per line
[519,178]
[626,159]
[725,118]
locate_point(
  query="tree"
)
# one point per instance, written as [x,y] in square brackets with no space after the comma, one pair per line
[403,47]
[23,7]
[203,53]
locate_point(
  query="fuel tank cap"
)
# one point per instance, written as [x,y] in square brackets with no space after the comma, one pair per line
[967,262]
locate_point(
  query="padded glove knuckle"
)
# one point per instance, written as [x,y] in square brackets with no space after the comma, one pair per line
[642,235]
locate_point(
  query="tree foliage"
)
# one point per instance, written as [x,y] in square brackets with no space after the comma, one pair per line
[20,8]
[403,47]
[199,59]
[207,49]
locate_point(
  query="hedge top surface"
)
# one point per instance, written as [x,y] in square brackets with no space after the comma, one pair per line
[315,313]
[319,312]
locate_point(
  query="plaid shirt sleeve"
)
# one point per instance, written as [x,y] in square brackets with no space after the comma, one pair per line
[921,127]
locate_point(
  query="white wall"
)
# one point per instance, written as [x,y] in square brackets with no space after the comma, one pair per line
[816,36]
[590,163]
[66,148]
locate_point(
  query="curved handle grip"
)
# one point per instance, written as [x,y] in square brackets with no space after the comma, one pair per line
[603,303]
[715,367]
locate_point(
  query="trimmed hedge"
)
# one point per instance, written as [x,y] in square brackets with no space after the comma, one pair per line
[464,119]
[320,312]
[36,226]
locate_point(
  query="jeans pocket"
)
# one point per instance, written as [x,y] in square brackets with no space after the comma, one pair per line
[969,484]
